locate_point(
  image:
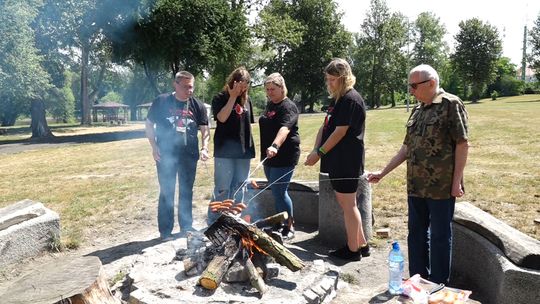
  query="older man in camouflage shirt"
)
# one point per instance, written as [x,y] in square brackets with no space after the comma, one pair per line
[435,147]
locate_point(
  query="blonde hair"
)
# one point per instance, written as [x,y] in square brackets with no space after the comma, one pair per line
[239,74]
[277,79]
[340,68]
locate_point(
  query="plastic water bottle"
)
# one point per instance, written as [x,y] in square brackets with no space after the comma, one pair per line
[395,267]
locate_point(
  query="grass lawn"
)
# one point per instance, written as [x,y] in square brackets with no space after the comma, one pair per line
[100,187]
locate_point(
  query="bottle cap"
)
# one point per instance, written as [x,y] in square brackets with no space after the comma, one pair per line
[395,245]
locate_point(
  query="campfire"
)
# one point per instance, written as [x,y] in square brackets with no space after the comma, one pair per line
[237,246]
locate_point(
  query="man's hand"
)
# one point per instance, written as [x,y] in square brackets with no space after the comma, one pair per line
[374,177]
[457,190]
[156,154]
[312,158]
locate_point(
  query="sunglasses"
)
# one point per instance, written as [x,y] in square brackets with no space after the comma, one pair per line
[415,85]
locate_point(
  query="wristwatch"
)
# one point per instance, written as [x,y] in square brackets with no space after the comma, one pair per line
[274,145]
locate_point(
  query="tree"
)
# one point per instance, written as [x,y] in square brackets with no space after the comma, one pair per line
[380,64]
[23,81]
[505,83]
[534,40]
[310,35]
[191,35]
[477,49]
[76,28]
[428,38]
[61,101]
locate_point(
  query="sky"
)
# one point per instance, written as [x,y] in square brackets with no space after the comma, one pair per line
[509,17]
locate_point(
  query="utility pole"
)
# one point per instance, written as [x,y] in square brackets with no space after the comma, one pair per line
[524,59]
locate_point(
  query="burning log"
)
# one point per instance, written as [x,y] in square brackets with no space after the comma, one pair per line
[216,269]
[254,277]
[272,220]
[252,237]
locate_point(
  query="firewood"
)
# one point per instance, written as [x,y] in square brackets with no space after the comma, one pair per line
[189,264]
[254,277]
[263,241]
[216,269]
[272,220]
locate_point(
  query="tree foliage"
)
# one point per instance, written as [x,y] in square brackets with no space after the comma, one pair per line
[193,35]
[534,40]
[306,35]
[428,38]
[477,50]
[380,64]
[22,78]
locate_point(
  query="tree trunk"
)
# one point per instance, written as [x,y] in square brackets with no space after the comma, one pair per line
[150,78]
[86,117]
[39,126]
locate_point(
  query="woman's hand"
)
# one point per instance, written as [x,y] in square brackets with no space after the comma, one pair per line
[312,158]
[237,89]
[271,152]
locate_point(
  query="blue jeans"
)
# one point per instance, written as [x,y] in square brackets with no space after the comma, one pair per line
[430,237]
[168,169]
[282,200]
[229,174]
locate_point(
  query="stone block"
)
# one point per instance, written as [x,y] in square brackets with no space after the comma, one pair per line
[304,196]
[482,266]
[27,228]
[311,297]
[272,271]
[520,248]
[331,224]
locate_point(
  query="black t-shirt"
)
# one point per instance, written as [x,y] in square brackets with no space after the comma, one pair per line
[350,111]
[233,138]
[275,116]
[177,123]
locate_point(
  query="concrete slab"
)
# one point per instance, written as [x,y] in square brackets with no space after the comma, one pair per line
[27,228]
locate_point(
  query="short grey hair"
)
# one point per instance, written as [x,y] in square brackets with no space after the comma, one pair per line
[183,75]
[427,72]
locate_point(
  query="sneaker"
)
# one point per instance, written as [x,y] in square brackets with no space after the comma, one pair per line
[287,233]
[346,254]
[364,251]
[278,227]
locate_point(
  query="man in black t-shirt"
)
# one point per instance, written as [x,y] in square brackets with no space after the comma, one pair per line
[171,127]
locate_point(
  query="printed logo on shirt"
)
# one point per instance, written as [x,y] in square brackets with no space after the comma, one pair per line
[239,109]
[328,116]
[270,114]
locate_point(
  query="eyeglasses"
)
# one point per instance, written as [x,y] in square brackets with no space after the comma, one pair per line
[415,85]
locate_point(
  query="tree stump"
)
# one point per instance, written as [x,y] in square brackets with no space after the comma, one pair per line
[77,280]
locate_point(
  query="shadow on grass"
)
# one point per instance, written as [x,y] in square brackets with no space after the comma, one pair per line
[83,138]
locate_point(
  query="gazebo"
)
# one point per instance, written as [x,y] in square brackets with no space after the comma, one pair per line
[110,112]
[143,107]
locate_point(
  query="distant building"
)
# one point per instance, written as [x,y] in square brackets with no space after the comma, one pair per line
[529,75]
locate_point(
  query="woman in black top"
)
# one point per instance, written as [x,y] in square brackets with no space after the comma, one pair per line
[280,145]
[340,146]
[233,141]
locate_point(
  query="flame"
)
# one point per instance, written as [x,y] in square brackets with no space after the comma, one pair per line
[249,244]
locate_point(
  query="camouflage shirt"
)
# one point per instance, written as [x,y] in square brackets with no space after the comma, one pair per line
[432,133]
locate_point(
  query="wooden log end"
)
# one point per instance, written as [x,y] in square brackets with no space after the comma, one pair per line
[208,283]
